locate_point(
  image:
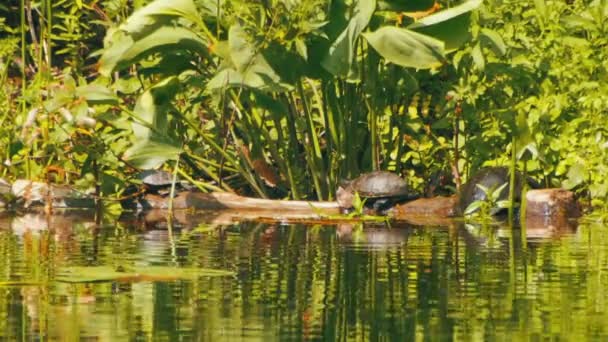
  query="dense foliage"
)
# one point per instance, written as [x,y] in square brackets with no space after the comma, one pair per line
[283,98]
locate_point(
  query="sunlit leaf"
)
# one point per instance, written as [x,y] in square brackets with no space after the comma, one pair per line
[473,207]
[152,107]
[244,66]
[150,154]
[407,48]
[158,12]
[478,58]
[450,25]
[125,51]
[494,41]
[97,94]
[577,174]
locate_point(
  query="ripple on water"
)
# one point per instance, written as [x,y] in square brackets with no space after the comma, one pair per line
[310,282]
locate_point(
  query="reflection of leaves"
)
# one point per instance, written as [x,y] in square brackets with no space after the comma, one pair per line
[135,274]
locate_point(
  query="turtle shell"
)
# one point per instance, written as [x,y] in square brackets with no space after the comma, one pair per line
[156,178]
[491,178]
[379,184]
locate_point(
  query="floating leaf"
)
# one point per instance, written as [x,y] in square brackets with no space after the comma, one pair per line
[407,48]
[89,274]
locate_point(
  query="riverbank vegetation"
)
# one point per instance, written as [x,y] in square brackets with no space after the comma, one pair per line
[283,98]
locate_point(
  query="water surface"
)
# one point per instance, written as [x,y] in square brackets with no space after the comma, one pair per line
[313,282]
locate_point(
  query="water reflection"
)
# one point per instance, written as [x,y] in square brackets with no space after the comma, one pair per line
[343,282]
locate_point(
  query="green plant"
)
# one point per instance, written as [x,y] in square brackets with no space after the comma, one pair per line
[489,205]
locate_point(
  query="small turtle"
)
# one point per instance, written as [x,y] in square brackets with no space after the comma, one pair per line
[491,178]
[379,189]
[156,181]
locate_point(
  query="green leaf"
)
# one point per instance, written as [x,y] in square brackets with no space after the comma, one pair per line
[125,51]
[341,54]
[301,48]
[407,48]
[151,109]
[450,25]
[577,174]
[478,59]
[245,66]
[97,94]
[154,145]
[494,41]
[150,154]
[473,207]
[159,12]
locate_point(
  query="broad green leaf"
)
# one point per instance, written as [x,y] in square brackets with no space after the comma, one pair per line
[158,12]
[578,21]
[407,48]
[229,78]
[341,54]
[450,25]
[242,52]
[151,109]
[97,94]
[154,144]
[473,207]
[150,154]
[124,51]
[494,41]
[244,66]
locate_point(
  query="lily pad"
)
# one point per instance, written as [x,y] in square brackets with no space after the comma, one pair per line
[89,274]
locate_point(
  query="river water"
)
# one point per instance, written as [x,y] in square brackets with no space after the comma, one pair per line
[295,281]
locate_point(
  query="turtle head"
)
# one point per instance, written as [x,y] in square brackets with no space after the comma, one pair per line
[345,194]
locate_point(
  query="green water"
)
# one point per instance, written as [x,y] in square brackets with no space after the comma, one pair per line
[294,282]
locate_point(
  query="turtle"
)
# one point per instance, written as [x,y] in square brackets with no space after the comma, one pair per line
[156,181]
[491,178]
[380,190]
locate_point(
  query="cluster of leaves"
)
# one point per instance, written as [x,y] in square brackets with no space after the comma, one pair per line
[536,92]
[283,98]
[283,102]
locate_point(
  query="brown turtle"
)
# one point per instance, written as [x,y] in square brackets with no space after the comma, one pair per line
[380,190]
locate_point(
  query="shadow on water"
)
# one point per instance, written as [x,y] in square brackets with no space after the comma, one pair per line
[294,281]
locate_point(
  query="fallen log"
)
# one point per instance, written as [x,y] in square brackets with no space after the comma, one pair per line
[544,203]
